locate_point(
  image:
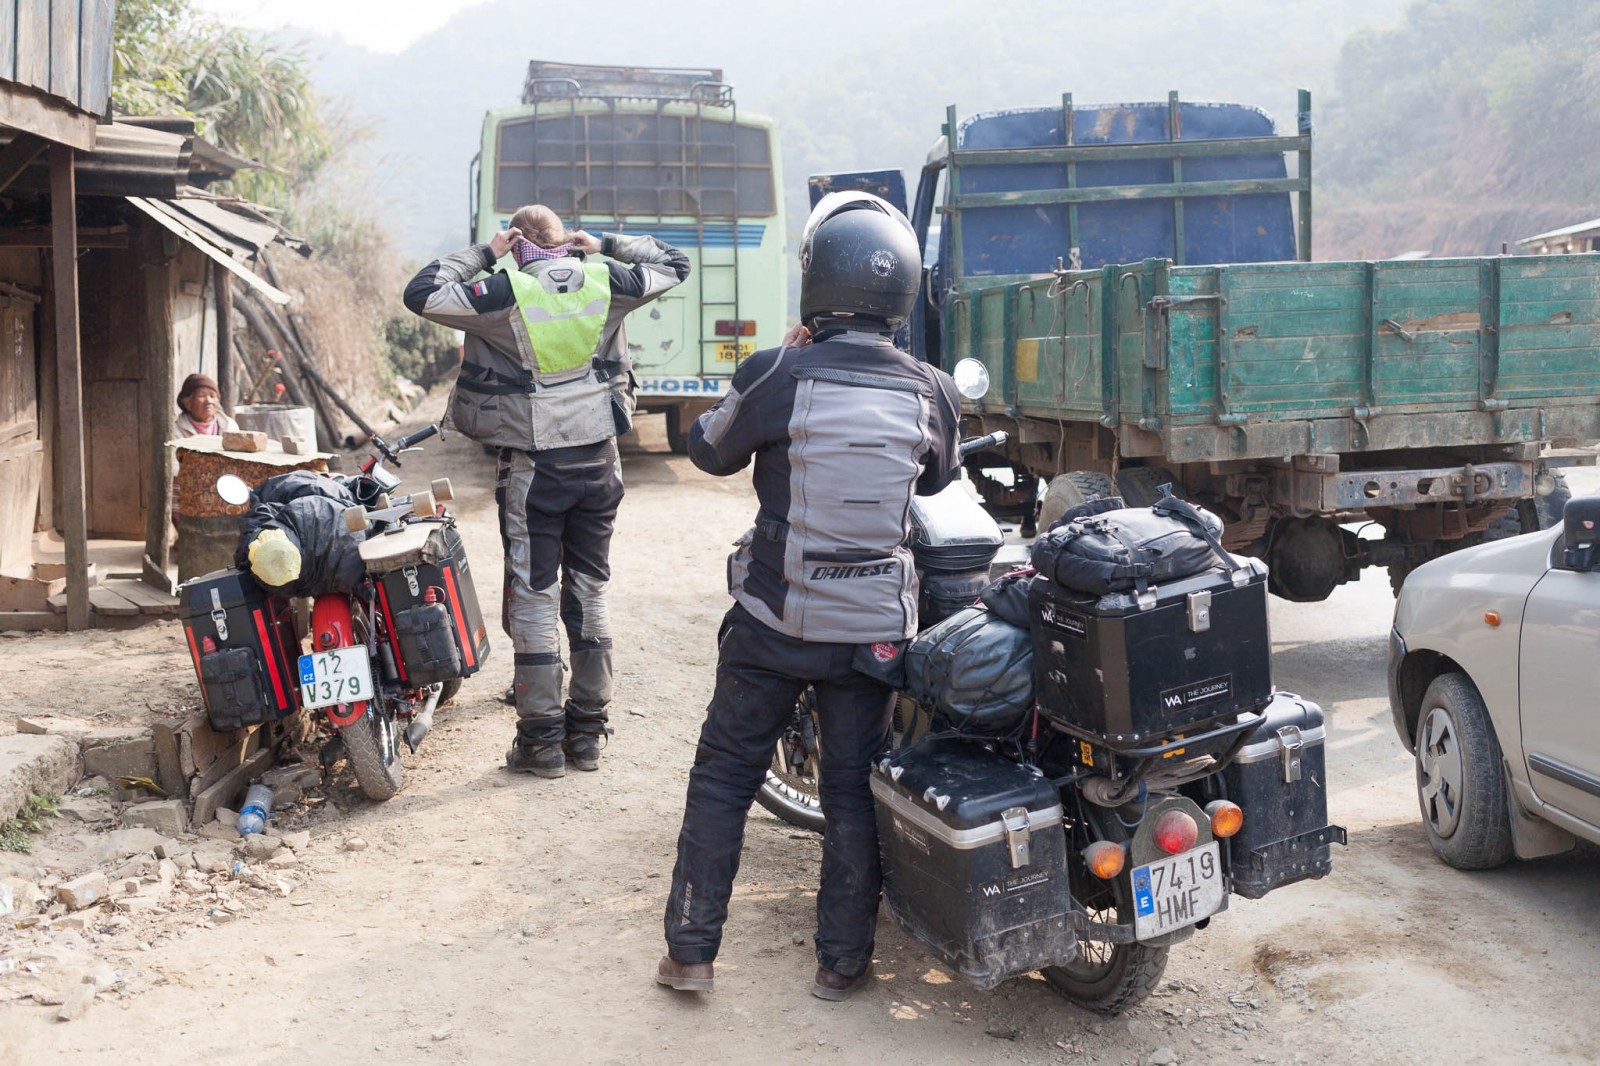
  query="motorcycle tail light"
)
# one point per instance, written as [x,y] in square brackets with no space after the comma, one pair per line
[1105,859]
[1176,832]
[1226,818]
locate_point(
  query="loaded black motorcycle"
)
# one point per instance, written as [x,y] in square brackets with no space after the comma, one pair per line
[1092,759]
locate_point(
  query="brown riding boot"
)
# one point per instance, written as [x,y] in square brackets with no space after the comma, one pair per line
[836,986]
[684,976]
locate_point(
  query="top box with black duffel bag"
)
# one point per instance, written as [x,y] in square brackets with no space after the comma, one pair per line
[244,648]
[430,607]
[1144,627]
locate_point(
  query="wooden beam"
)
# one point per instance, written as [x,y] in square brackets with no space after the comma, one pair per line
[44,237]
[69,382]
[222,286]
[29,109]
[156,345]
[16,156]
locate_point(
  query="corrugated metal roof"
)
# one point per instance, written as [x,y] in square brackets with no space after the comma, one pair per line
[126,161]
[1565,231]
[184,218]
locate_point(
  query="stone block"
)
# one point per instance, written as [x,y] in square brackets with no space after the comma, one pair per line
[34,765]
[120,753]
[167,817]
[84,891]
[218,831]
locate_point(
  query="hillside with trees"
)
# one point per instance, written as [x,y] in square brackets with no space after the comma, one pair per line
[1472,123]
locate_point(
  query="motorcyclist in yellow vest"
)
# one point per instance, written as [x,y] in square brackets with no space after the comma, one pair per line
[545,380]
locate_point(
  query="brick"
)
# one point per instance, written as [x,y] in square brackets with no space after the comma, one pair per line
[84,891]
[167,817]
[244,440]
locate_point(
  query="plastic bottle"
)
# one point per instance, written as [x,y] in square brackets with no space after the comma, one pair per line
[257,805]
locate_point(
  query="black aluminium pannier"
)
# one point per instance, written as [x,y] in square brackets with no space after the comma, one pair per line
[1130,668]
[1280,780]
[244,649]
[974,858]
[431,608]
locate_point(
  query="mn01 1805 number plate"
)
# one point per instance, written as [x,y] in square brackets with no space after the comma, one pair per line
[1172,893]
[343,675]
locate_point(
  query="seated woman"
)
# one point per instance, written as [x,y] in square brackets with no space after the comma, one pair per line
[200,406]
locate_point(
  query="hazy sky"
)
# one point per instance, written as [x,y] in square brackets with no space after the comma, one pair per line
[381,25]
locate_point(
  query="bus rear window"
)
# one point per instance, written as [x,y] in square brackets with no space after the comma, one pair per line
[620,163]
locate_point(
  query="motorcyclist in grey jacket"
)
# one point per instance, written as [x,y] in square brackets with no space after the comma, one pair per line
[545,379]
[843,429]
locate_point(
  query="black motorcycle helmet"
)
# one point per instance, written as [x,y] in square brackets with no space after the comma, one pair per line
[858,258]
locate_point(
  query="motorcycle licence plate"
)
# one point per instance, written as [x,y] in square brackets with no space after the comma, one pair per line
[1172,893]
[342,675]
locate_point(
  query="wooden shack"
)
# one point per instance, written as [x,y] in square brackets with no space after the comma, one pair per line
[105,306]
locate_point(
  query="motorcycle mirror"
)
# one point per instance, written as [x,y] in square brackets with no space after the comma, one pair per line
[233,490]
[972,378]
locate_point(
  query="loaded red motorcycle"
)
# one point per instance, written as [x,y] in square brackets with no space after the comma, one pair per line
[393,624]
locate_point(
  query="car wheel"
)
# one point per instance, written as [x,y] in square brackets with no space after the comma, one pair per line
[1461,785]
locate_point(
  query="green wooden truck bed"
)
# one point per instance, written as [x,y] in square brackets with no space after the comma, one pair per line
[1274,360]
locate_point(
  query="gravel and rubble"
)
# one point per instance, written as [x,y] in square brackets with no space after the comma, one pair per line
[82,909]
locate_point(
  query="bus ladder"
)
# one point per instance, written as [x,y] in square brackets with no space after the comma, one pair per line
[709,308]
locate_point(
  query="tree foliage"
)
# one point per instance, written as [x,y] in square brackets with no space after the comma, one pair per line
[1471,99]
[244,93]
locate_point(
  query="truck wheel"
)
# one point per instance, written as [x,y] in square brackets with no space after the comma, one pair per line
[677,434]
[1066,491]
[1532,515]
[1460,785]
[1140,486]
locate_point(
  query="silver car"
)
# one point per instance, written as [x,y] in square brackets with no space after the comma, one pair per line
[1494,682]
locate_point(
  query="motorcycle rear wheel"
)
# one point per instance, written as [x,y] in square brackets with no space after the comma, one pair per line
[372,744]
[790,788]
[1109,978]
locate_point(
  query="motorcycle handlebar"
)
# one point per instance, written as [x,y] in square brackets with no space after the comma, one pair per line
[418,437]
[979,444]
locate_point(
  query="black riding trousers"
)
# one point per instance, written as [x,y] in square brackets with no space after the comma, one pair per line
[760,675]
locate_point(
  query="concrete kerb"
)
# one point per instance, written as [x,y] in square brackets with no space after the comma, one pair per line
[31,764]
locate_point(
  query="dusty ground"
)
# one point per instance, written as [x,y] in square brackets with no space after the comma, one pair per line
[495,919]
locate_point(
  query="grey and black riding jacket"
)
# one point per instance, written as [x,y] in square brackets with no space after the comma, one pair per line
[843,432]
[545,364]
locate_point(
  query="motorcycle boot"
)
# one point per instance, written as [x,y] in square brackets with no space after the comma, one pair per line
[585,711]
[541,723]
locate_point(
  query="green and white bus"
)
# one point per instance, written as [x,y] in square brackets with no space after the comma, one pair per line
[664,152]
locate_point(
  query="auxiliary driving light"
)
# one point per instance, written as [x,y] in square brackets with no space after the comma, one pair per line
[1226,818]
[1176,832]
[1104,859]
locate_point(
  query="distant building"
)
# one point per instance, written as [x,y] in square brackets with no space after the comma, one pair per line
[1584,237]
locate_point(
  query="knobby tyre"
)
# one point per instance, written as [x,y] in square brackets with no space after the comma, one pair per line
[372,744]
[1107,978]
[790,788]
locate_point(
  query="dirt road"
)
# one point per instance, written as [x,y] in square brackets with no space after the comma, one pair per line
[494,919]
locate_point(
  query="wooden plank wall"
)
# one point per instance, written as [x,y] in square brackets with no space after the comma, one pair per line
[60,47]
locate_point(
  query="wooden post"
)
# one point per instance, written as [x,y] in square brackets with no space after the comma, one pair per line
[156,344]
[223,287]
[69,381]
